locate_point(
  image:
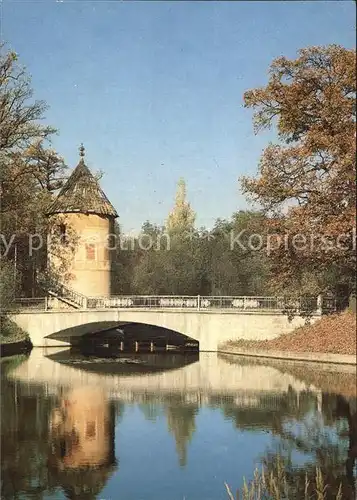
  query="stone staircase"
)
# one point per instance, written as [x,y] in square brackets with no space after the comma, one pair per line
[69,297]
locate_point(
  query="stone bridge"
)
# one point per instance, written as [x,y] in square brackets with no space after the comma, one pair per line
[55,328]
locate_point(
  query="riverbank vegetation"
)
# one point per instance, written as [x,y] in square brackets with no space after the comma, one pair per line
[335,334]
[10,333]
[276,483]
[299,240]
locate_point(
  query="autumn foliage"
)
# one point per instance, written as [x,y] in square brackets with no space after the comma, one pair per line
[335,334]
[306,181]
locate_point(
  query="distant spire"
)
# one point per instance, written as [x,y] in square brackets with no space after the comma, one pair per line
[81,151]
[182,216]
[181,192]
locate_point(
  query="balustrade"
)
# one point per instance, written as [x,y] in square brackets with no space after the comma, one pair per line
[238,303]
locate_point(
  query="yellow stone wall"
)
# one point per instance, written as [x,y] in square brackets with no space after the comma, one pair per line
[87,275]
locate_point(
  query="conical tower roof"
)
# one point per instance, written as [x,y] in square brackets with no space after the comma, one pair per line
[82,193]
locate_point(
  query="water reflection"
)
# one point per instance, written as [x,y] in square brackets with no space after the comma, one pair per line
[344,411]
[81,429]
[64,429]
[328,437]
[181,424]
[81,437]
[123,364]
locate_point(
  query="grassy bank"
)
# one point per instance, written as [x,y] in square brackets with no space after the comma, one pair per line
[11,333]
[335,334]
[276,483]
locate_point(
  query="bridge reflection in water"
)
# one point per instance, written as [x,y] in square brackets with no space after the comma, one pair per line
[197,378]
[88,394]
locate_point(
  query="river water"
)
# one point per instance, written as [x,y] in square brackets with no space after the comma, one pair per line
[170,426]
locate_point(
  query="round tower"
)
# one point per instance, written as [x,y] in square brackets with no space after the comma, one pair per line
[81,221]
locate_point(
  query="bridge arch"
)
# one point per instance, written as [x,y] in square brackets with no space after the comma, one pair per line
[128,332]
[209,328]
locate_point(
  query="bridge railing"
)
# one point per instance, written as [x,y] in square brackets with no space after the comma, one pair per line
[243,303]
[30,303]
[143,301]
[186,302]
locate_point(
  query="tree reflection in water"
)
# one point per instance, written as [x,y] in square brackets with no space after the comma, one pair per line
[48,443]
[325,438]
[321,445]
[181,424]
[66,440]
[343,410]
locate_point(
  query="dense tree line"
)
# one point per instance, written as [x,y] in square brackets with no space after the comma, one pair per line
[305,190]
[188,261]
[30,173]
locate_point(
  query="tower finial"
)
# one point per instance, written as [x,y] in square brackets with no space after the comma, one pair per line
[81,151]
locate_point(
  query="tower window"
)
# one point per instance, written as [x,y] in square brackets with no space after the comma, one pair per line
[91,429]
[90,251]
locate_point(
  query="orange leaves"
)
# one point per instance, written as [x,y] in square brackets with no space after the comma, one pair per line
[313,99]
[334,334]
[307,91]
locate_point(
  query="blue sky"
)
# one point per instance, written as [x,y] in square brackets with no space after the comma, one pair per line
[154,90]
